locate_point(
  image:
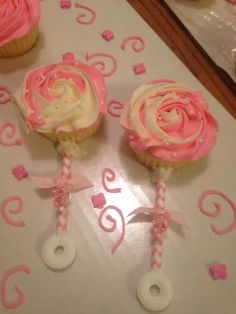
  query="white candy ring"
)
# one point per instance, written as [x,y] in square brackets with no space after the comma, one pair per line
[154,291]
[59,251]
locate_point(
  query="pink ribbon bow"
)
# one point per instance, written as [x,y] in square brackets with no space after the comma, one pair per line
[76,183]
[165,216]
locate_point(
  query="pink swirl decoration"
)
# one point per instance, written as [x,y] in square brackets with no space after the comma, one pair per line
[114,107]
[113,226]
[84,18]
[109,175]
[137,43]
[5,95]
[17,210]
[100,65]
[217,211]
[21,295]
[8,130]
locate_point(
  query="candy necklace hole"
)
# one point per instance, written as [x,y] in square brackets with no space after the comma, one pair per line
[155,290]
[59,250]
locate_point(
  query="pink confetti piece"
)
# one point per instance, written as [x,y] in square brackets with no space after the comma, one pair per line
[6,212]
[109,175]
[98,200]
[139,69]
[114,107]
[87,18]
[20,293]
[113,224]
[19,172]
[137,43]
[101,65]
[68,58]
[218,271]
[65,4]
[218,210]
[107,35]
[7,133]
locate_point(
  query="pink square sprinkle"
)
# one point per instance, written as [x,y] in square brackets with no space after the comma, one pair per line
[68,58]
[218,271]
[107,35]
[139,68]
[98,200]
[65,4]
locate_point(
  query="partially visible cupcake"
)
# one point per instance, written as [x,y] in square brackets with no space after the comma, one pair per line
[64,102]
[169,124]
[18,26]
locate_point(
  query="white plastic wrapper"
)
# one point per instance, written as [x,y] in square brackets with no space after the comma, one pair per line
[213,24]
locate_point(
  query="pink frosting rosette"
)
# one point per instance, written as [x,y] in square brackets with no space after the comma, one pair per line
[63,97]
[170,121]
[17,18]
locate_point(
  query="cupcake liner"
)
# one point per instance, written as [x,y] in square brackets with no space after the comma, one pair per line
[77,136]
[153,162]
[21,45]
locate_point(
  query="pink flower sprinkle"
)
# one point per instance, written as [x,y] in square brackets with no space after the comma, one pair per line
[98,200]
[19,172]
[107,35]
[139,68]
[65,4]
[218,271]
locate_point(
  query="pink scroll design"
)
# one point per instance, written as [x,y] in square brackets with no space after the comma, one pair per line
[137,43]
[113,226]
[17,210]
[8,130]
[217,211]
[114,107]
[100,65]
[109,175]
[21,295]
[83,18]
[5,95]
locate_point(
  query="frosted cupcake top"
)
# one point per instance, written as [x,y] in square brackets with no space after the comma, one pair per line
[17,18]
[63,97]
[170,121]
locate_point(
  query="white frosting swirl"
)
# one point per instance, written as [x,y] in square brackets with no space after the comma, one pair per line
[170,121]
[62,97]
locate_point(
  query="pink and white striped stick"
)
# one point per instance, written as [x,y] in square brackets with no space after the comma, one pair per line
[160,224]
[62,195]
[66,166]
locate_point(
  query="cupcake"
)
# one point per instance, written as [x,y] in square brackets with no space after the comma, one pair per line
[64,102]
[169,124]
[18,26]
